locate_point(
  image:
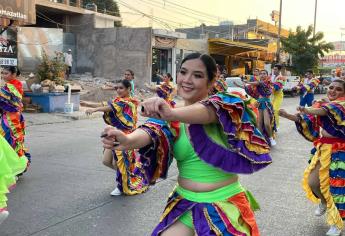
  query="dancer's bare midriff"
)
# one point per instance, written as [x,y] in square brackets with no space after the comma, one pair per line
[204,187]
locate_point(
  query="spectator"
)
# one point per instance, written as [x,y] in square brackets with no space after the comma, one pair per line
[68,62]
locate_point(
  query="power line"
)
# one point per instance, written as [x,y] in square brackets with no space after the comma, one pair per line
[164,21]
[193,11]
[157,4]
[156,19]
[46,18]
[149,3]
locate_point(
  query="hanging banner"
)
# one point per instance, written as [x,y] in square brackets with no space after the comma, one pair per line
[19,10]
[8,48]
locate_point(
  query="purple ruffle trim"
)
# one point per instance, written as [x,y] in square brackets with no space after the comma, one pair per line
[180,208]
[8,106]
[330,123]
[148,155]
[202,225]
[236,159]
[330,126]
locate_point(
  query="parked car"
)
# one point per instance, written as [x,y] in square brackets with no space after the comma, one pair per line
[322,88]
[233,88]
[291,82]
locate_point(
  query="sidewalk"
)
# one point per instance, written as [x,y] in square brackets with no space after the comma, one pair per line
[54,118]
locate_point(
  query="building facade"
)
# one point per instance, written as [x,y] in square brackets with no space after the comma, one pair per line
[241,48]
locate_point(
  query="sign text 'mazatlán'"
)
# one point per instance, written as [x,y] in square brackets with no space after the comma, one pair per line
[21,10]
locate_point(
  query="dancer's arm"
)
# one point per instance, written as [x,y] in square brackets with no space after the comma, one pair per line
[192,114]
[313,111]
[90,104]
[285,114]
[98,109]
[253,83]
[239,85]
[135,140]
[151,88]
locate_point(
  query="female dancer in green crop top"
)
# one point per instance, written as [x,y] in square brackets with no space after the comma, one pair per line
[215,140]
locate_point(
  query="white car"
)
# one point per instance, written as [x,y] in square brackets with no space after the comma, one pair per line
[233,88]
[291,82]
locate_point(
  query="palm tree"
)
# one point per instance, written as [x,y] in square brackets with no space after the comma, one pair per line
[305,49]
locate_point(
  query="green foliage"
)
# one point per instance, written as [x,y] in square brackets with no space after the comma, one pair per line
[53,69]
[305,49]
[109,7]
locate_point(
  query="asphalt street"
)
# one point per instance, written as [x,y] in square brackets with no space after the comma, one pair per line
[66,191]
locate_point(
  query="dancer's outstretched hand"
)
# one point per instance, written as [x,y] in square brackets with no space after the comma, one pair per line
[325,100]
[157,108]
[301,109]
[283,112]
[114,139]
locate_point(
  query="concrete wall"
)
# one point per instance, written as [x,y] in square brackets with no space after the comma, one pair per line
[101,21]
[109,52]
[32,40]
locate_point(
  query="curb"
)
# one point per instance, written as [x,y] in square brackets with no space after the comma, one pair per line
[79,116]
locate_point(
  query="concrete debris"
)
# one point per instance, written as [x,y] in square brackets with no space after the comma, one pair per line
[92,88]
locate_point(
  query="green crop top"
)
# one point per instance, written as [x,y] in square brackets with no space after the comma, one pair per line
[189,164]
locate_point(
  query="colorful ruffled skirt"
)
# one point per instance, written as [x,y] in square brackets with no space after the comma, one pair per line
[10,166]
[266,104]
[13,130]
[330,152]
[225,211]
[130,176]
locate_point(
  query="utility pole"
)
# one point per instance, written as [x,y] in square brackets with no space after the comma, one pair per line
[315,17]
[341,42]
[232,33]
[202,31]
[279,30]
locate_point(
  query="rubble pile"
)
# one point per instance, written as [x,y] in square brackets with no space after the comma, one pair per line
[92,88]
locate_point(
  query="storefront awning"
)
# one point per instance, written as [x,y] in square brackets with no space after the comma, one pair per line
[258,55]
[227,47]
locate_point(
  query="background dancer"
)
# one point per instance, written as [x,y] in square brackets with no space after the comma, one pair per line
[12,121]
[277,97]
[324,178]
[261,90]
[165,90]
[306,89]
[219,84]
[121,113]
[255,76]
[220,143]
[129,75]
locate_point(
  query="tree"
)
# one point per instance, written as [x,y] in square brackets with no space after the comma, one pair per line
[305,49]
[109,7]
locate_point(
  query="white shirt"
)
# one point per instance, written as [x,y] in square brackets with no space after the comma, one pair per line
[274,77]
[68,59]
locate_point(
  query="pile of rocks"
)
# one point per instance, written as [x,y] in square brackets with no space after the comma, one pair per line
[92,88]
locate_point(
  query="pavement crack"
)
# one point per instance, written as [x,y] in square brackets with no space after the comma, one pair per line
[71,217]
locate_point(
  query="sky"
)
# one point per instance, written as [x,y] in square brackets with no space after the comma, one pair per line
[330,13]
